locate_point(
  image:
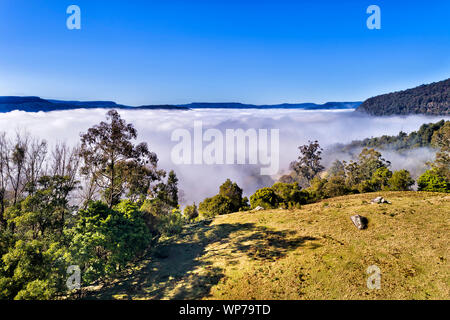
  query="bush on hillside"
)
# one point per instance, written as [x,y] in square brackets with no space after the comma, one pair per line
[401,181]
[265,197]
[191,212]
[433,181]
[289,193]
[217,205]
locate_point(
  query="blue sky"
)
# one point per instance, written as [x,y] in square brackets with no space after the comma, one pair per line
[152,52]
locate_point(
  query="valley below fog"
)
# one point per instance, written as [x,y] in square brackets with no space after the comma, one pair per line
[198,181]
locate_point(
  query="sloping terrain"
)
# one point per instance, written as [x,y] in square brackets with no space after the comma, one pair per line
[431,99]
[311,253]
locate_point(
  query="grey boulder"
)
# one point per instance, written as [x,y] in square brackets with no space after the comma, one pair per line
[258,208]
[380,200]
[359,221]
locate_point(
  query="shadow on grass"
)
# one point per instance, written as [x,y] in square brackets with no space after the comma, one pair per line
[168,273]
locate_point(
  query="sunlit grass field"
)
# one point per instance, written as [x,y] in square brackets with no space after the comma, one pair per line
[310,253]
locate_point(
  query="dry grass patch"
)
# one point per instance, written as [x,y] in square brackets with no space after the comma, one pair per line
[311,253]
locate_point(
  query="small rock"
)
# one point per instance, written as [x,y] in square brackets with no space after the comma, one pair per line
[380,200]
[359,221]
[376,200]
[258,208]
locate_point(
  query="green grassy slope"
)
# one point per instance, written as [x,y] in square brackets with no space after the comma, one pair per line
[311,253]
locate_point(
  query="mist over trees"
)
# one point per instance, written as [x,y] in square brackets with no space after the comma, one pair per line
[401,142]
[368,171]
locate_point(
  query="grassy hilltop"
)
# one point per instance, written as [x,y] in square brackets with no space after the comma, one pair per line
[310,253]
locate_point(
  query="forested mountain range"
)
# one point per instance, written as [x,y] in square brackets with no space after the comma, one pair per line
[36,104]
[430,99]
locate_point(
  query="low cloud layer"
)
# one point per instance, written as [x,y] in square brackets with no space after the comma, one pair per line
[296,127]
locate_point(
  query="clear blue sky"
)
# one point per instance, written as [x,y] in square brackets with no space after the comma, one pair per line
[151,52]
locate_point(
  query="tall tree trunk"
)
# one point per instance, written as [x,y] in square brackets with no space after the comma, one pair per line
[2,207]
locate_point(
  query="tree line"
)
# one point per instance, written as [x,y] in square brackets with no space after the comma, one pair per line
[309,181]
[97,206]
[403,141]
[432,99]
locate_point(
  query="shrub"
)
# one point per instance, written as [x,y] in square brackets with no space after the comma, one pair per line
[264,197]
[217,205]
[152,211]
[245,205]
[171,224]
[191,212]
[334,187]
[232,191]
[36,290]
[315,191]
[380,179]
[228,200]
[400,181]
[432,180]
[105,239]
[366,186]
[34,270]
[289,193]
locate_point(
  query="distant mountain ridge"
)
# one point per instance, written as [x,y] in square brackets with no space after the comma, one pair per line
[306,105]
[430,99]
[37,104]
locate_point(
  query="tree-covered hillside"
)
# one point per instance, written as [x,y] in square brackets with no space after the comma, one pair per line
[432,99]
[403,141]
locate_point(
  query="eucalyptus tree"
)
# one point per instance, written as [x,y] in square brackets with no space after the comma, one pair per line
[114,163]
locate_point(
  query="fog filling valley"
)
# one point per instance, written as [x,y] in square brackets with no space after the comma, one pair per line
[198,181]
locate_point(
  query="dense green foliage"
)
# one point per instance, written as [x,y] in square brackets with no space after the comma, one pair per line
[105,239]
[264,197]
[289,194]
[284,195]
[308,164]
[229,199]
[426,136]
[433,181]
[438,177]
[432,99]
[369,173]
[401,180]
[214,206]
[44,235]
[191,212]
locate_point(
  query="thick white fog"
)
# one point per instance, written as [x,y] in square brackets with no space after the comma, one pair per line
[296,127]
